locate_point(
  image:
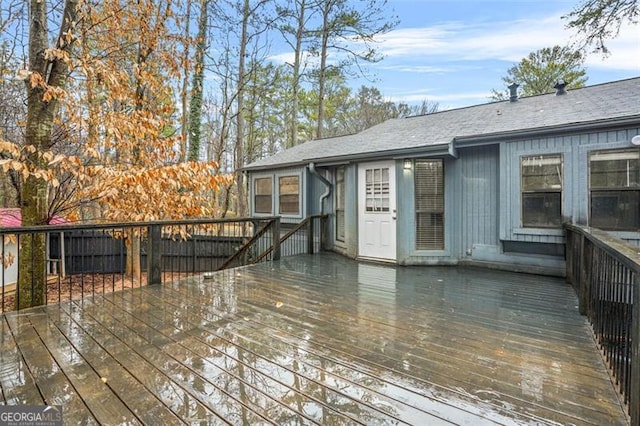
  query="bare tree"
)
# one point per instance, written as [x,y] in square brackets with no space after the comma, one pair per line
[349,32]
[600,20]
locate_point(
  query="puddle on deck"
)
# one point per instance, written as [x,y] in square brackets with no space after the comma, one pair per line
[318,340]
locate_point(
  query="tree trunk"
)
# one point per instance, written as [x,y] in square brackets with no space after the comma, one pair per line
[195,113]
[184,135]
[239,148]
[296,75]
[133,268]
[40,118]
[323,66]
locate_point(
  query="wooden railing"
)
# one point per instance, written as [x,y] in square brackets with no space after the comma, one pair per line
[605,272]
[99,258]
[307,237]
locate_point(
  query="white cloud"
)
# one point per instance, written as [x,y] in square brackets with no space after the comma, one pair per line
[446,101]
[419,68]
[282,58]
[625,53]
[506,41]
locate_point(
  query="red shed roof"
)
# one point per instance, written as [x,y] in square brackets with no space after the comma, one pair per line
[12,218]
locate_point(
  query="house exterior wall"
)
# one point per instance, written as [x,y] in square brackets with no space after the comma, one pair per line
[306,195]
[483,223]
[476,180]
[471,210]
[575,150]
[406,223]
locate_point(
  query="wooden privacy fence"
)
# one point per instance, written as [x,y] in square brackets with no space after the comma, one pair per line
[88,259]
[605,271]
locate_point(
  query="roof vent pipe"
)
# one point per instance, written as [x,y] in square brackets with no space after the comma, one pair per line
[560,87]
[513,92]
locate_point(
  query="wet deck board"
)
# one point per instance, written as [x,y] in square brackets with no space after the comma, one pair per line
[316,340]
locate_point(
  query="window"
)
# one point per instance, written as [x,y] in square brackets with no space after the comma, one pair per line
[614,179]
[263,190]
[289,195]
[541,191]
[429,189]
[377,189]
[340,201]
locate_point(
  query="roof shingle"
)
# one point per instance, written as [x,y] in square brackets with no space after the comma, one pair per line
[603,102]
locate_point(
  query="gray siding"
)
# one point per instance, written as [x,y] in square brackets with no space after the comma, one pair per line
[406,223]
[275,174]
[471,209]
[316,189]
[482,202]
[575,151]
[478,187]
[351,210]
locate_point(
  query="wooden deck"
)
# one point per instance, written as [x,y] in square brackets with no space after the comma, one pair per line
[315,340]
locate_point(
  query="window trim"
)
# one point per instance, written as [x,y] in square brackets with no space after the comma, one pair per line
[279,195]
[613,189]
[522,191]
[255,193]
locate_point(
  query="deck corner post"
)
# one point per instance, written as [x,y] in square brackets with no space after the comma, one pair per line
[154,255]
[310,236]
[634,393]
[275,235]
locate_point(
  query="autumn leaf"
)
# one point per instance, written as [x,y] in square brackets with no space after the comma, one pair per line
[57,159]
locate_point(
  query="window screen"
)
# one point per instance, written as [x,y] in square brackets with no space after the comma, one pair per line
[429,190]
[289,194]
[614,179]
[263,189]
[541,191]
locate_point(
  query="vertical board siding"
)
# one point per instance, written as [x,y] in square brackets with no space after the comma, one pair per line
[479,178]
[575,150]
[316,189]
[351,209]
[405,204]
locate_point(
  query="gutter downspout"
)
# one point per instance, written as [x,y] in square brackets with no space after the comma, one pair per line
[327,192]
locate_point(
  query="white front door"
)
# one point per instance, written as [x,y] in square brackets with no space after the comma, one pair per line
[377,210]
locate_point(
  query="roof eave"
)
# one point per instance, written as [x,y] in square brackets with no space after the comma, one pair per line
[431,150]
[272,166]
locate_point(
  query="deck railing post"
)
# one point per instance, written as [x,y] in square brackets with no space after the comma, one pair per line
[154,255]
[585,276]
[634,393]
[310,236]
[275,236]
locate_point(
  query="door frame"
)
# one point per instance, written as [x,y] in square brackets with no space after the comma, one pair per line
[377,231]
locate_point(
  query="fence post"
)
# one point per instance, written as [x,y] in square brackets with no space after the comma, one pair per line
[154,255]
[634,393]
[275,235]
[310,236]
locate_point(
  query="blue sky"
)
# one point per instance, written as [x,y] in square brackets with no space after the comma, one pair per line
[454,51]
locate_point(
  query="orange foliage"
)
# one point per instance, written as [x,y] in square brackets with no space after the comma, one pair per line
[177,191]
[118,113]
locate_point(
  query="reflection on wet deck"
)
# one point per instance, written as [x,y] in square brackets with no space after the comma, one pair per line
[315,340]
